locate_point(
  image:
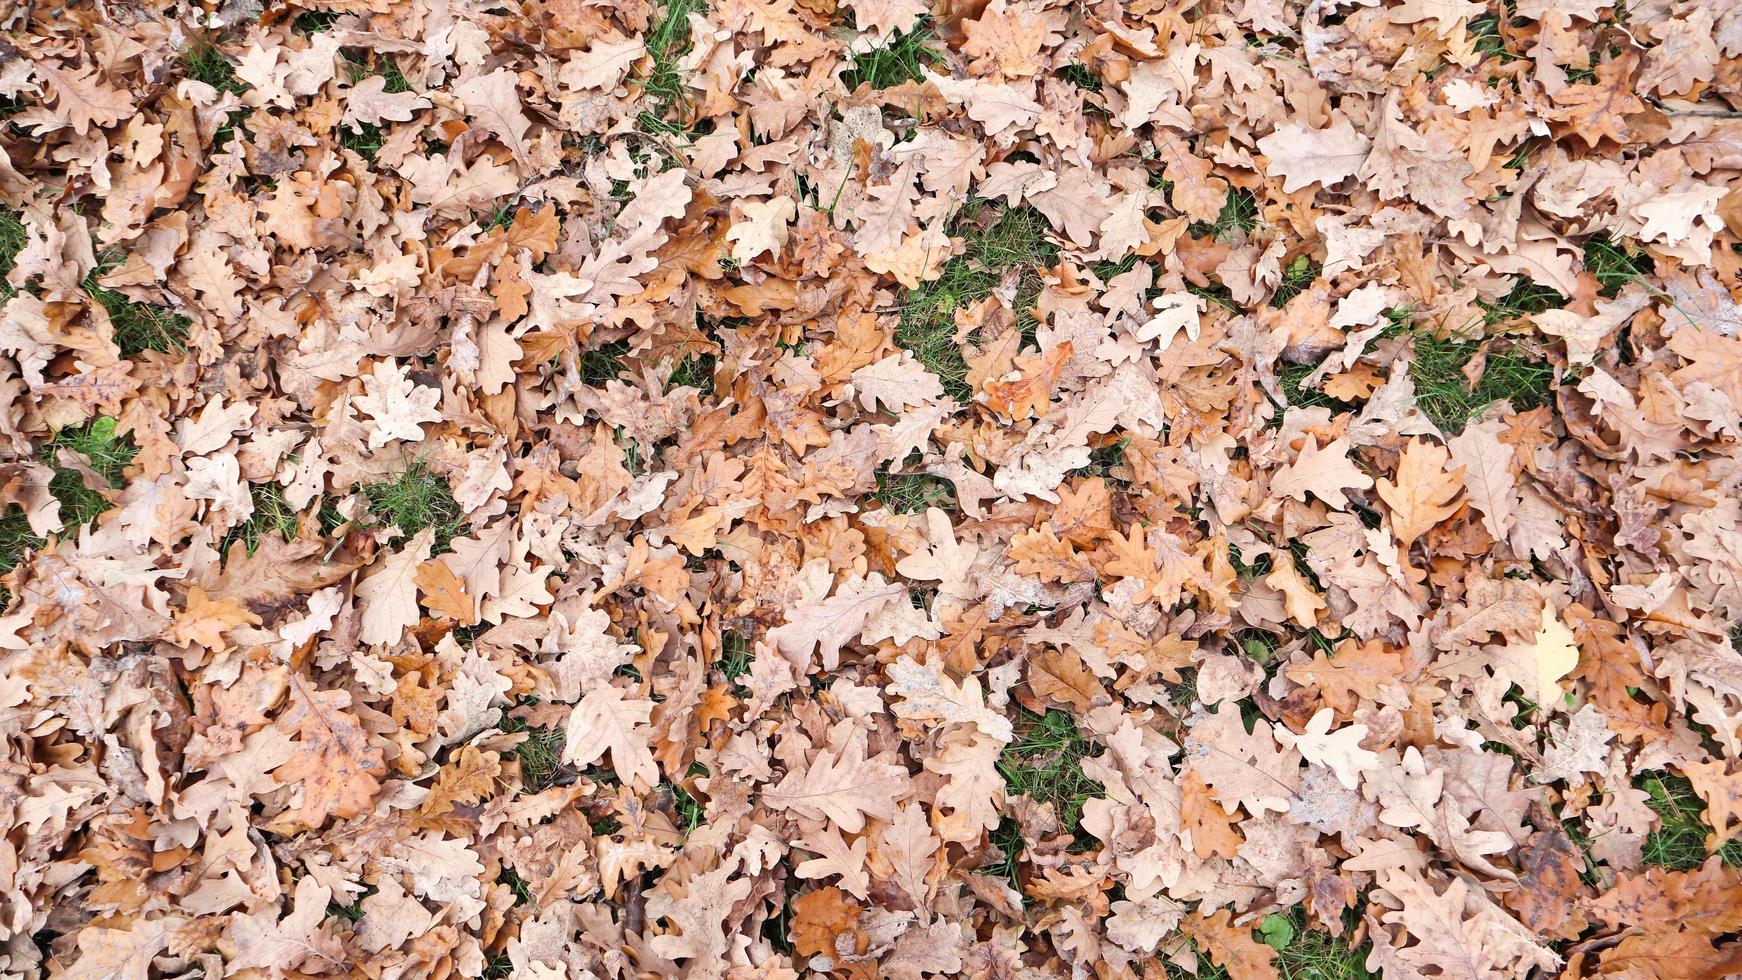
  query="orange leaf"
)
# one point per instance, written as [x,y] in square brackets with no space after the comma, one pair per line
[444,594]
[1231,947]
[1424,492]
[1031,392]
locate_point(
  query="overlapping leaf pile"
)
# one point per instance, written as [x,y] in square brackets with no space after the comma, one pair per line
[990,489]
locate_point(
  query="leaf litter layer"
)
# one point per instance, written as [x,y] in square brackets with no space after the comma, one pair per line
[883,488]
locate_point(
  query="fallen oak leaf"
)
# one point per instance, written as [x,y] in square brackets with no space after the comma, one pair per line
[1338,751]
[827,624]
[836,858]
[107,952]
[493,102]
[928,694]
[463,782]
[1425,490]
[1231,947]
[762,226]
[899,381]
[1242,769]
[388,594]
[1324,471]
[83,98]
[607,721]
[819,917]
[398,406]
[1059,676]
[204,621]
[842,785]
[1556,652]
[335,769]
[1303,156]
[369,104]
[1030,391]
[971,802]
[444,594]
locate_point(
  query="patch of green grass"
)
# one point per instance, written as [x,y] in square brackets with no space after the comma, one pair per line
[1239,214]
[1289,380]
[1104,459]
[415,499]
[108,454]
[1258,645]
[1522,155]
[631,452]
[350,913]
[540,755]
[223,134]
[13,238]
[394,80]
[774,928]
[1007,838]
[388,69]
[912,493]
[15,539]
[689,812]
[1614,264]
[203,62]
[1310,954]
[272,514]
[1015,238]
[1591,874]
[662,128]
[139,327]
[1679,842]
[1207,968]
[1081,76]
[735,655]
[1045,763]
[516,884]
[365,140]
[498,967]
[695,371]
[314,21]
[503,216]
[1296,279]
[1106,271]
[1446,396]
[603,363]
[903,58]
[1184,694]
[1485,33]
[1216,293]
[667,41]
[1526,298]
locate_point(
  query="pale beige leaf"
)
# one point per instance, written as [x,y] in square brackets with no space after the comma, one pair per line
[761,227]
[388,594]
[607,721]
[1324,471]
[1303,156]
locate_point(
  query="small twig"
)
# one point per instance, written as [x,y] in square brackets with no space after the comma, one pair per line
[1712,113]
[1715,114]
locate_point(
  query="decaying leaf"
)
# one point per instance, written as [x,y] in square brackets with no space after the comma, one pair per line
[871,489]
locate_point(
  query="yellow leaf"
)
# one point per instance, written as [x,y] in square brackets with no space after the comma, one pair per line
[1557,653]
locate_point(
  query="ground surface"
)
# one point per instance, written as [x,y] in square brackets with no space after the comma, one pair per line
[884,489]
